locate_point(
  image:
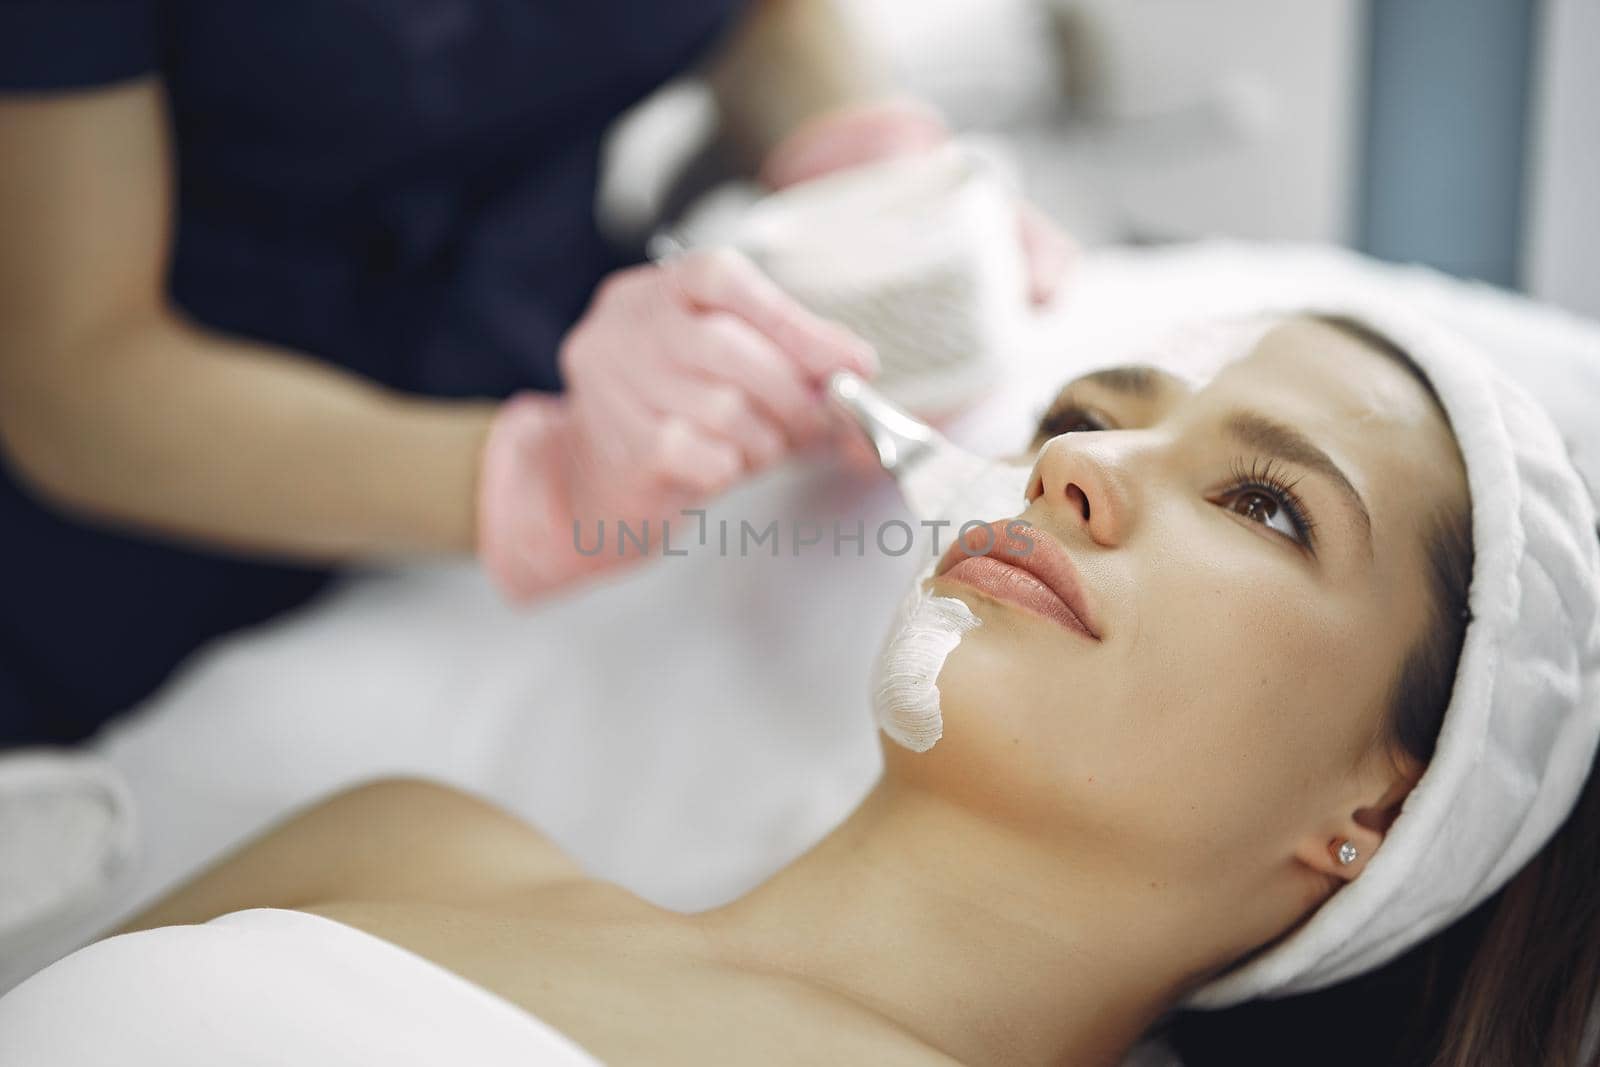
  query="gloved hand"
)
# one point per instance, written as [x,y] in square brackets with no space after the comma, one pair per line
[886,129]
[682,378]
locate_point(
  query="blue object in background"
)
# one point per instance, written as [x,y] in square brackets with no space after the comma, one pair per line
[1446,134]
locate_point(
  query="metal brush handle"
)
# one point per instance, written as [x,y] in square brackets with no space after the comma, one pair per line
[900,438]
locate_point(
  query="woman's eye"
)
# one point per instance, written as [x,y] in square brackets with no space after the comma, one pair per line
[1261,507]
[1261,493]
[1069,418]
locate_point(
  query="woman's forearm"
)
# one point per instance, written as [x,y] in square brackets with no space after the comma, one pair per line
[153,423]
[786,62]
[112,405]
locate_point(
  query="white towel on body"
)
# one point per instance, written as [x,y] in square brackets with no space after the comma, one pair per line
[266,986]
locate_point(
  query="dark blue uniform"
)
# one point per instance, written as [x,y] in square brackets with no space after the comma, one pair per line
[401,187]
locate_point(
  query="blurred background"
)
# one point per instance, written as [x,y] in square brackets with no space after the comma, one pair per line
[1460,134]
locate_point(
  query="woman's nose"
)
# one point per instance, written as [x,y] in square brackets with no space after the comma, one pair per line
[1080,480]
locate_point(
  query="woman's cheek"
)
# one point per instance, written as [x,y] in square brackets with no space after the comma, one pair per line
[990,684]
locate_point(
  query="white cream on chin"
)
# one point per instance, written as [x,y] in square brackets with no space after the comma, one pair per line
[927,628]
[905,679]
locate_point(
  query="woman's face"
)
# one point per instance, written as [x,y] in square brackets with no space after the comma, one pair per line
[1253,557]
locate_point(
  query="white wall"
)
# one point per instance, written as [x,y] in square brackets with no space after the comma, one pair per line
[1286,71]
[1562,255]
[1186,120]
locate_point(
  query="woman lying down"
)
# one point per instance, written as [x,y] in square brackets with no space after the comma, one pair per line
[1257,746]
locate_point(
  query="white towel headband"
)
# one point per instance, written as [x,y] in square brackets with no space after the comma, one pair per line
[1519,736]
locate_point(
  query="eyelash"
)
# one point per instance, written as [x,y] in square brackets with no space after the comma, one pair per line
[1061,418]
[1263,476]
[1260,476]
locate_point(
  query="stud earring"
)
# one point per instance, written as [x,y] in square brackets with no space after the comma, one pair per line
[1347,853]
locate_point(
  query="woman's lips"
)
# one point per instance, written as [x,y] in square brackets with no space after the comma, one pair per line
[1021,565]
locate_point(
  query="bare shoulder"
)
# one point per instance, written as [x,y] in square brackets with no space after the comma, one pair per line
[411,834]
[393,839]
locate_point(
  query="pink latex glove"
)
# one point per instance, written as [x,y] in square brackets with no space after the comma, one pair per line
[868,133]
[682,378]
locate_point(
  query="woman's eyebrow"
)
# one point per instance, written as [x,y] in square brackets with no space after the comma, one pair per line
[1254,430]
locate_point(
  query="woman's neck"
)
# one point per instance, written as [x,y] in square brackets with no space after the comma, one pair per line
[981,943]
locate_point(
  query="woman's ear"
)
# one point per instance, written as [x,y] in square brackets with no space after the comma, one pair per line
[1342,848]
[1340,856]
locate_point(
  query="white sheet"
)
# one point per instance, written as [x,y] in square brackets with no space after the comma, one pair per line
[263,988]
[692,726]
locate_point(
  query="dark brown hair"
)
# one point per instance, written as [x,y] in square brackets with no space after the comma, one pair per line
[1512,982]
